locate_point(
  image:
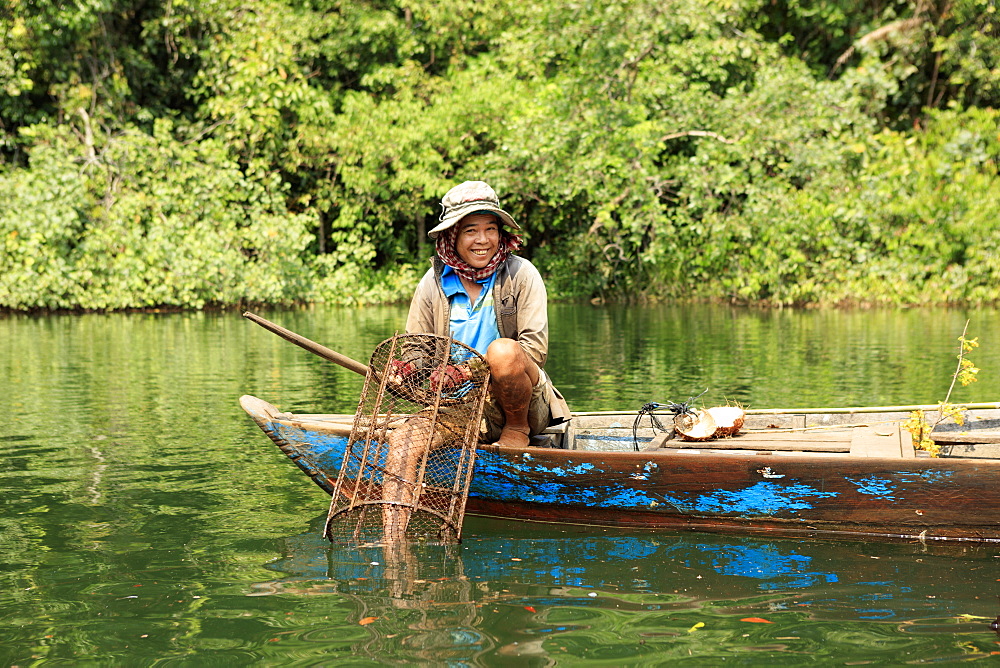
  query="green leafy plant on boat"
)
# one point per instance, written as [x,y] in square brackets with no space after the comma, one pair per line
[919,426]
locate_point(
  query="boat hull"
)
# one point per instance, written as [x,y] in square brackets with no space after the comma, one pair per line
[919,499]
[777,493]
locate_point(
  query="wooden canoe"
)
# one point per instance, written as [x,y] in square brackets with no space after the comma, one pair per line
[848,472]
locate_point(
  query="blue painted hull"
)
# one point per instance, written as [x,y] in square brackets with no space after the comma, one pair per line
[922,498]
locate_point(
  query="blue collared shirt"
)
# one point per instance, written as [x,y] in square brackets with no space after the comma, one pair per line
[474,325]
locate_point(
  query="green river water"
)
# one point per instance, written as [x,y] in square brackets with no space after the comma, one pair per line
[147,521]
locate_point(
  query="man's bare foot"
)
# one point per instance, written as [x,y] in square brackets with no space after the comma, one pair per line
[513,437]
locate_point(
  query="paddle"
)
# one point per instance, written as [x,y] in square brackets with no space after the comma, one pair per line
[311,346]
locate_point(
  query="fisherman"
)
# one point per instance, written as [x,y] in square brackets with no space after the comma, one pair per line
[479,293]
[482,295]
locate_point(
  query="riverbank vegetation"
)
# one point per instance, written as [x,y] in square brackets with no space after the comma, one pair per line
[178,153]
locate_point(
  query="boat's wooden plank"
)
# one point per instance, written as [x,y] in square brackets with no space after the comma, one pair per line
[859,441]
[774,421]
[973,423]
[557,428]
[972,450]
[762,445]
[817,436]
[881,442]
[611,421]
[323,417]
[569,436]
[825,441]
[954,438]
[985,407]
[331,428]
[625,421]
[979,407]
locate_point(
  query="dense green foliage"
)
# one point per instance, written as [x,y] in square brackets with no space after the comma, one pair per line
[184,153]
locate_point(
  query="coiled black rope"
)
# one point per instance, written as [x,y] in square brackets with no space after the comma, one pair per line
[649,409]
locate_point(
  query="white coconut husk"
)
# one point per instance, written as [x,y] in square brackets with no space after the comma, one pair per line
[728,420]
[697,425]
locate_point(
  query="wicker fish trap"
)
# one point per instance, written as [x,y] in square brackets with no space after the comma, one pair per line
[409,459]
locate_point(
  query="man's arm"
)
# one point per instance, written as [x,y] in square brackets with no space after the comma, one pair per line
[532,314]
[420,319]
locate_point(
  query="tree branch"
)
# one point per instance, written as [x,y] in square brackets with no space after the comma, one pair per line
[697,133]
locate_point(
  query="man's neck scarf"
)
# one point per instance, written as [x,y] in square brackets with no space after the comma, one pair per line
[509,243]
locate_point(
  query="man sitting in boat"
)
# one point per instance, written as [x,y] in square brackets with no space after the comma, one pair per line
[479,293]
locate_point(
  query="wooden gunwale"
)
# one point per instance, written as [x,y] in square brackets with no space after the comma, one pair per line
[814,411]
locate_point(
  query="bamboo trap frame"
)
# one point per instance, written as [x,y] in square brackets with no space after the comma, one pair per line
[410,455]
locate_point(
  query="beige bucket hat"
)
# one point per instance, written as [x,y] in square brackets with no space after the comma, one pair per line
[469,197]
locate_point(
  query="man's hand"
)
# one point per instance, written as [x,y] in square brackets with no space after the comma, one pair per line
[399,371]
[449,376]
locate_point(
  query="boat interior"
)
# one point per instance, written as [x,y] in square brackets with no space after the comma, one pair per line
[852,432]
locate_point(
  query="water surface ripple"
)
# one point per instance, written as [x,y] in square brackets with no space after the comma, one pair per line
[146,521]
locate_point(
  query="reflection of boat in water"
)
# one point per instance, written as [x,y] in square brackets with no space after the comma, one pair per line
[792,472]
[413,598]
[505,563]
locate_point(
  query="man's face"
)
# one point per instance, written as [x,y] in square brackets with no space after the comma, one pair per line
[478,239]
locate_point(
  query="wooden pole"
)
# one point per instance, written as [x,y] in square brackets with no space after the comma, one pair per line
[311,346]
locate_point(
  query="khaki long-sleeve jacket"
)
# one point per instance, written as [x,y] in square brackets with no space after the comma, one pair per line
[520,303]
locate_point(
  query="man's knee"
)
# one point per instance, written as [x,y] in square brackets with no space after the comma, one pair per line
[504,351]
[508,360]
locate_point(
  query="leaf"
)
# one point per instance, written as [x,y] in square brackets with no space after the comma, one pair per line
[529,608]
[367,620]
[756,620]
[696,627]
